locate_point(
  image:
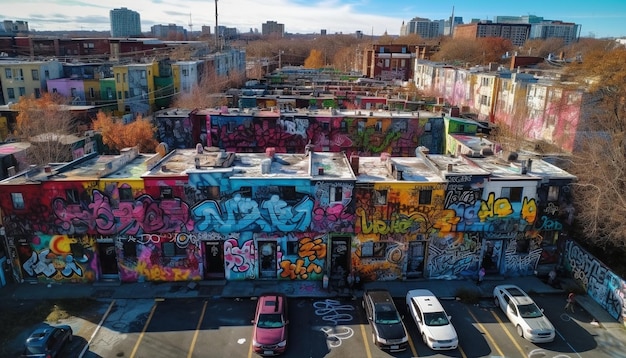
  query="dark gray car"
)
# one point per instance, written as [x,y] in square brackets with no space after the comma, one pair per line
[388,331]
[47,341]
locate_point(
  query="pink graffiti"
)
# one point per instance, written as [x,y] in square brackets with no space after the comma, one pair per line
[239,259]
[331,218]
[70,218]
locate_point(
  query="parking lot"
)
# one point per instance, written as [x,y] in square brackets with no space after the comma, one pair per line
[331,328]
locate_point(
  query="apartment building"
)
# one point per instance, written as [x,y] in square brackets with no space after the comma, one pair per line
[517,33]
[125,22]
[25,78]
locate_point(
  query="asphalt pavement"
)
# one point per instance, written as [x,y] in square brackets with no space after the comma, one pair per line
[443,289]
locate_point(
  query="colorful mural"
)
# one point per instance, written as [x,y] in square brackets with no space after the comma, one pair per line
[388,216]
[332,215]
[362,135]
[58,258]
[600,283]
[164,257]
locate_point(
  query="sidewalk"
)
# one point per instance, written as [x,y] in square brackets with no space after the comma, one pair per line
[444,289]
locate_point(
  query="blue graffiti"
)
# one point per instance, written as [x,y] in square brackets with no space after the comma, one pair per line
[245,214]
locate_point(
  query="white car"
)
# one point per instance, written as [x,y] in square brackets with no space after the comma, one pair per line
[521,310]
[432,320]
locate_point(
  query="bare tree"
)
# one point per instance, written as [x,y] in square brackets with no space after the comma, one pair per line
[47,124]
[600,161]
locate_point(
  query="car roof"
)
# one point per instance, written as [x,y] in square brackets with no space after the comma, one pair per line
[39,335]
[426,300]
[271,303]
[379,295]
[516,293]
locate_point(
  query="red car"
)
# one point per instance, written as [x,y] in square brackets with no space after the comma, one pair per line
[270,325]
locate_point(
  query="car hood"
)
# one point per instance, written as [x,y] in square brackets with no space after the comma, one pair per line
[270,335]
[391,331]
[442,333]
[539,323]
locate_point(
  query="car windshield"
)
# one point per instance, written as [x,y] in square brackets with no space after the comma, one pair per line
[529,311]
[387,317]
[34,350]
[436,319]
[270,320]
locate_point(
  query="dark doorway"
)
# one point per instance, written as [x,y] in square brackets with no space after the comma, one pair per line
[108,261]
[267,259]
[415,259]
[339,260]
[492,255]
[214,260]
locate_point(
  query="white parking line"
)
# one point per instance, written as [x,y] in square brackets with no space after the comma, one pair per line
[569,345]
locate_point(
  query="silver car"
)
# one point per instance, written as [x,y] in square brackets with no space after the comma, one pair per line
[521,310]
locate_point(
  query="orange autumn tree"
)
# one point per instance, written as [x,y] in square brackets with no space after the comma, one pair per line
[116,135]
[315,59]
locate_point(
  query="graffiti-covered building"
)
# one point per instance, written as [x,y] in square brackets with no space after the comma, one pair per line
[361,132]
[398,202]
[205,213]
[180,216]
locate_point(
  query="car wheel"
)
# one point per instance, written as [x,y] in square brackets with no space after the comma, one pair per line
[71,337]
[520,331]
[496,301]
[424,339]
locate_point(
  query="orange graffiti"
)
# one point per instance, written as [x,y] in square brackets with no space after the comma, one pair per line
[312,248]
[529,210]
[448,221]
[60,244]
[298,270]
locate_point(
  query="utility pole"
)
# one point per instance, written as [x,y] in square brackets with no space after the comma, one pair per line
[217,38]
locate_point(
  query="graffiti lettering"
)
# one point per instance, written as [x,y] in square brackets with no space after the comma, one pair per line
[399,224]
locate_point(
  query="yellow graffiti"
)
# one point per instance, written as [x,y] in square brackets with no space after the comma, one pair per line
[448,221]
[494,208]
[529,210]
[396,225]
[180,275]
[157,273]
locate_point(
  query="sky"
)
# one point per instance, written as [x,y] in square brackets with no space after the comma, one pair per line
[599,18]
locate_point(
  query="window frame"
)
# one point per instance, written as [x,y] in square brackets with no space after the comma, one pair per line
[18,202]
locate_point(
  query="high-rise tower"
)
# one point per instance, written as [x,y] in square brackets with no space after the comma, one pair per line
[125,23]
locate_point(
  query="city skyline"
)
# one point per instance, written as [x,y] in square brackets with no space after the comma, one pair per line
[604,19]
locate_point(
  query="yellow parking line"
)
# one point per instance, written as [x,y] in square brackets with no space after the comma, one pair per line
[508,334]
[486,333]
[143,331]
[195,335]
[462,351]
[365,342]
[413,350]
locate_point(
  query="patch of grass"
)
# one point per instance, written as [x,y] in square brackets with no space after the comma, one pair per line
[18,317]
[467,295]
